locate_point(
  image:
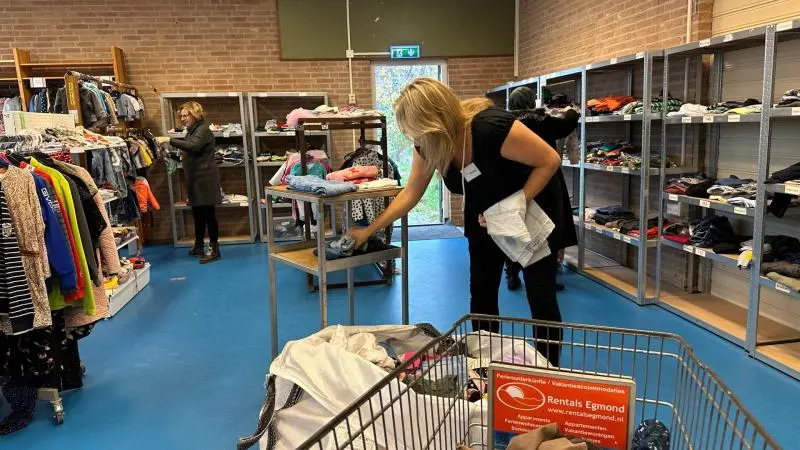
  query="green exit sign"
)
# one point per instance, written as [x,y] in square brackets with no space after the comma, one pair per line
[405,51]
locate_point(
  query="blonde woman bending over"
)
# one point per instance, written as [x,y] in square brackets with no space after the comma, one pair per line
[498,157]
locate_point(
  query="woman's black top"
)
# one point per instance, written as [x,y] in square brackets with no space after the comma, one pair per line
[501,177]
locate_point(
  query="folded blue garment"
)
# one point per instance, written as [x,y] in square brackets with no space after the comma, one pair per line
[316,185]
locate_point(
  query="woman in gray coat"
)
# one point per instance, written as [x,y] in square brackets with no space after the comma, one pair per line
[202,178]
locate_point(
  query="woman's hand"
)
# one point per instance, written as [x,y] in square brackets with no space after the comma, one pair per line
[361,235]
[481,220]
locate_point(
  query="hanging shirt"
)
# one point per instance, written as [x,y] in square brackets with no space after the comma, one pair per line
[20,193]
[15,297]
[62,188]
[59,252]
[59,207]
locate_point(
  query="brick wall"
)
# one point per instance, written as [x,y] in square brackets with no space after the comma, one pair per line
[205,45]
[556,36]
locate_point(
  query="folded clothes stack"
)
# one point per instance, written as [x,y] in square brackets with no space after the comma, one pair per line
[790,99]
[656,106]
[230,129]
[789,176]
[345,247]
[734,190]
[781,260]
[318,186]
[619,153]
[741,107]
[607,214]
[229,154]
[711,231]
[266,157]
[689,109]
[380,183]
[607,105]
[354,173]
[677,232]
[747,106]
[691,185]
[234,198]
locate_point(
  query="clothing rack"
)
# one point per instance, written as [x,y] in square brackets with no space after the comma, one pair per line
[83,77]
[26,69]
[301,255]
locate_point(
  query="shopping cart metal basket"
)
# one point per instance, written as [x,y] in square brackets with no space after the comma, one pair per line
[672,386]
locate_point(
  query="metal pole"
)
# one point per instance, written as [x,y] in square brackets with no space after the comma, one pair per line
[582,173]
[662,177]
[351,293]
[273,281]
[645,179]
[323,275]
[404,267]
[765,135]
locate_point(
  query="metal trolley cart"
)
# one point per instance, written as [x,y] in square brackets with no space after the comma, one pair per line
[672,386]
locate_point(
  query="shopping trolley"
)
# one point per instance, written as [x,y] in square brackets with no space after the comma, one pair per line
[672,386]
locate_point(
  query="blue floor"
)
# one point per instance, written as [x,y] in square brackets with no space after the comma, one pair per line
[182,366]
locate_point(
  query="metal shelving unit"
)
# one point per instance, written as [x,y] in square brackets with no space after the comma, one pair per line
[177,200]
[276,105]
[631,282]
[771,342]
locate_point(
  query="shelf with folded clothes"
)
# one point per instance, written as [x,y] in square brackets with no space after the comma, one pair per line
[710,204]
[614,118]
[615,234]
[707,253]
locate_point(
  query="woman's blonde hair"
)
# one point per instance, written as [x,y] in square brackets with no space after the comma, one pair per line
[193,108]
[432,115]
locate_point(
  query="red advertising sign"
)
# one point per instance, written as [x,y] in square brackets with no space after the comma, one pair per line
[595,408]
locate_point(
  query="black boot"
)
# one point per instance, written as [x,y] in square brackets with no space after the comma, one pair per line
[512,276]
[212,255]
[22,400]
[197,250]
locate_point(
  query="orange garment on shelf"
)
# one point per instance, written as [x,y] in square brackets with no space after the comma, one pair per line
[144,195]
[608,104]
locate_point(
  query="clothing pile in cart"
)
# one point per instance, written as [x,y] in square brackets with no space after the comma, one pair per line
[445,384]
[57,249]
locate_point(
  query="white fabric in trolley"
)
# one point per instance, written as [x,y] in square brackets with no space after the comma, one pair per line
[332,377]
[332,372]
[519,228]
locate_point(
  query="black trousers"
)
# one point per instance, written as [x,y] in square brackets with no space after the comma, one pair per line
[486,262]
[205,217]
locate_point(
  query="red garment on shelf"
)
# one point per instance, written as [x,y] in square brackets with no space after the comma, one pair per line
[679,238]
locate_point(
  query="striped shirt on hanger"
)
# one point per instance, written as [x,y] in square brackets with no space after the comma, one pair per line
[15,296]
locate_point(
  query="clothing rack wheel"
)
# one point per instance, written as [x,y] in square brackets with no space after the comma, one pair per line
[57,403]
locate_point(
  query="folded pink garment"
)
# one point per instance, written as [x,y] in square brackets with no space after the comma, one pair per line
[297,114]
[353,173]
